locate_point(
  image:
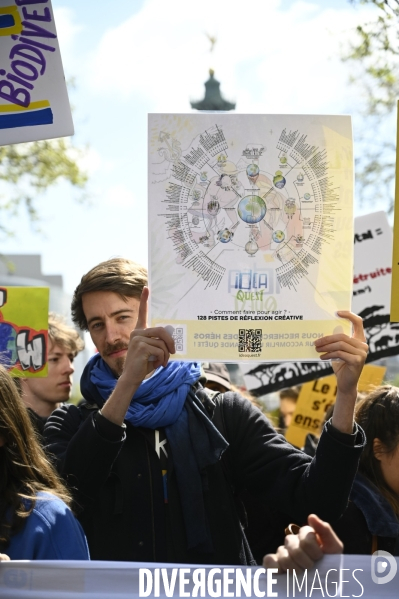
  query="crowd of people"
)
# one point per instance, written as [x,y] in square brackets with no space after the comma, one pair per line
[165,461]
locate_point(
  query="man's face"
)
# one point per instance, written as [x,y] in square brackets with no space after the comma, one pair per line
[110,320]
[57,386]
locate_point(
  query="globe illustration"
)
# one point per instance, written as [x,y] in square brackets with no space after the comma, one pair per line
[195,220]
[251,209]
[278,236]
[252,170]
[225,235]
[278,180]
[213,207]
[283,159]
[307,196]
[251,247]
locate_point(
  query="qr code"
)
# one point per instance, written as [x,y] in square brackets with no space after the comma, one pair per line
[250,340]
[179,334]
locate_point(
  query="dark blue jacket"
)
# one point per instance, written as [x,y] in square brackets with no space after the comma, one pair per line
[368,514]
[51,532]
[117,480]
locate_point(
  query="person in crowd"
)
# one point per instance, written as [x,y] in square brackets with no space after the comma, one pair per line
[217,379]
[217,376]
[288,398]
[43,395]
[35,520]
[371,520]
[142,456]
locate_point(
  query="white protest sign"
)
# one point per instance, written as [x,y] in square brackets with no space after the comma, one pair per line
[250,232]
[372,283]
[34,102]
[334,576]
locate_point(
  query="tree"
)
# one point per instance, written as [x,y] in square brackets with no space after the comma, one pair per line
[29,169]
[376,54]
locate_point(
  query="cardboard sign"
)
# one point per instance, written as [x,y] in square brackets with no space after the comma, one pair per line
[33,96]
[251,232]
[371,292]
[23,330]
[317,396]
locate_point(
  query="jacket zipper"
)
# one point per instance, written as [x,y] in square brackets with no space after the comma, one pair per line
[152,502]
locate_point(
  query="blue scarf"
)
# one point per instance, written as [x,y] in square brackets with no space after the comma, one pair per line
[167,400]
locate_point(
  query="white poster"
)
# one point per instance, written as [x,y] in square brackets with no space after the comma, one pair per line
[33,96]
[251,232]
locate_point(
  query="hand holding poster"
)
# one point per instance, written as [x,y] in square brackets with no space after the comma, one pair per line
[33,97]
[251,232]
[23,330]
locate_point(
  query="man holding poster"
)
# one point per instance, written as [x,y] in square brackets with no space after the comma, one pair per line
[143,454]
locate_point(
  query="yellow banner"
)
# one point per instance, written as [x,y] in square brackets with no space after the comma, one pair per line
[317,396]
[23,330]
[395,254]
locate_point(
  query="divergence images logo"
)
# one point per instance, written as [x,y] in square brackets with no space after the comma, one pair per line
[28,63]
[383,567]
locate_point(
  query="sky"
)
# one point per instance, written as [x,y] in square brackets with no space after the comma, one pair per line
[138,56]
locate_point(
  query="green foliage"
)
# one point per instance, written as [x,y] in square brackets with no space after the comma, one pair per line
[29,169]
[375,59]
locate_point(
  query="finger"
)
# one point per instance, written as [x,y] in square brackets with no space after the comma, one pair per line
[280,560]
[357,322]
[339,338]
[285,560]
[298,553]
[330,543]
[151,347]
[357,348]
[142,320]
[4,557]
[155,333]
[309,543]
[270,561]
[340,356]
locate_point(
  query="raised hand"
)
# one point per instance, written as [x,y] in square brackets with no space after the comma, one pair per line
[351,352]
[348,355]
[148,349]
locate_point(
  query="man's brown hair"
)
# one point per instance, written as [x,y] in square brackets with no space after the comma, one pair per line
[122,276]
[63,335]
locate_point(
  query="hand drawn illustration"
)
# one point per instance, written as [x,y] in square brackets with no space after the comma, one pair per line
[250,210]
[23,330]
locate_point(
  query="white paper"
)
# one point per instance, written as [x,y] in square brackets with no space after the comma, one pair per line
[251,232]
[34,102]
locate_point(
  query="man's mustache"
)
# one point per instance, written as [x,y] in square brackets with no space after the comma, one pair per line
[110,349]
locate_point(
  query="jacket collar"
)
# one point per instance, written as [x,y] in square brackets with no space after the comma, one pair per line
[380,517]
